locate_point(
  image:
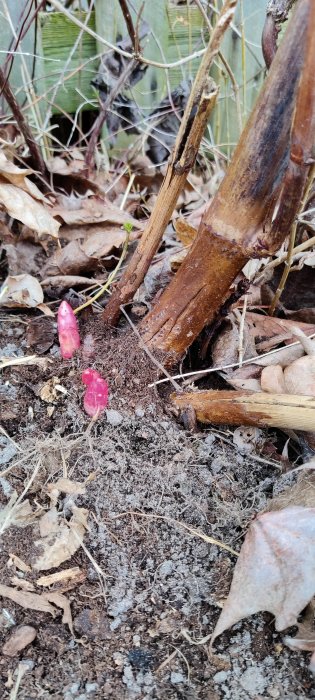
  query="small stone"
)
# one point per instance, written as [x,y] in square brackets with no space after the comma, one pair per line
[220,677]
[20,638]
[139,412]
[273,692]
[114,417]
[177,678]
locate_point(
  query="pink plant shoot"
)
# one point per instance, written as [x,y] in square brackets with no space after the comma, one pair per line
[96,395]
[68,331]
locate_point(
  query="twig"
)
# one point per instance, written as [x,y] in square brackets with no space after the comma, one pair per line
[277,261]
[129,24]
[36,157]
[89,157]
[186,147]
[173,521]
[110,280]
[220,368]
[123,78]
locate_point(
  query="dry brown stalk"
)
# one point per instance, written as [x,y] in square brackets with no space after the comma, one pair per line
[238,224]
[35,154]
[186,147]
[286,411]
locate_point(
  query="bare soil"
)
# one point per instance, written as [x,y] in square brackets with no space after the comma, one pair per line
[153,588]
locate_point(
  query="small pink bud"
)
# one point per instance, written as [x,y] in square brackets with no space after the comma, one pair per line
[68,331]
[96,395]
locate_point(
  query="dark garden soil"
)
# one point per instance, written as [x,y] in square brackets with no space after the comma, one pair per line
[153,586]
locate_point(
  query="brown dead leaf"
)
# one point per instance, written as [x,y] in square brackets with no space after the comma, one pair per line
[21,291]
[17,514]
[40,333]
[40,602]
[18,176]
[62,541]
[92,210]
[66,281]
[23,257]
[64,485]
[69,260]
[184,231]
[20,637]
[62,602]
[246,377]
[51,390]
[29,601]
[23,207]
[178,258]
[275,570]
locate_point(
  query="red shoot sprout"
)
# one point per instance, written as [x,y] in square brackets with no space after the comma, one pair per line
[68,331]
[96,395]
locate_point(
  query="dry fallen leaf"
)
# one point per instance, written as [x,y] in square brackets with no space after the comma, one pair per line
[40,333]
[41,603]
[30,601]
[64,485]
[23,207]
[20,637]
[17,514]
[184,231]
[92,210]
[62,602]
[275,570]
[51,390]
[62,540]
[21,291]
[22,583]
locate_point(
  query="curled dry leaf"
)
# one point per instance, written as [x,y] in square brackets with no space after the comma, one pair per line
[92,210]
[184,231]
[40,333]
[29,601]
[23,207]
[69,260]
[63,539]
[40,602]
[17,514]
[63,485]
[275,570]
[21,637]
[21,291]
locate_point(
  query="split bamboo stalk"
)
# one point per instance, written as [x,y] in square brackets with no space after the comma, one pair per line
[238,224]
[286,411]
[193,124]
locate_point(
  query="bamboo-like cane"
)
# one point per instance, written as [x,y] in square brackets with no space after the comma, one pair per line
[286,411]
